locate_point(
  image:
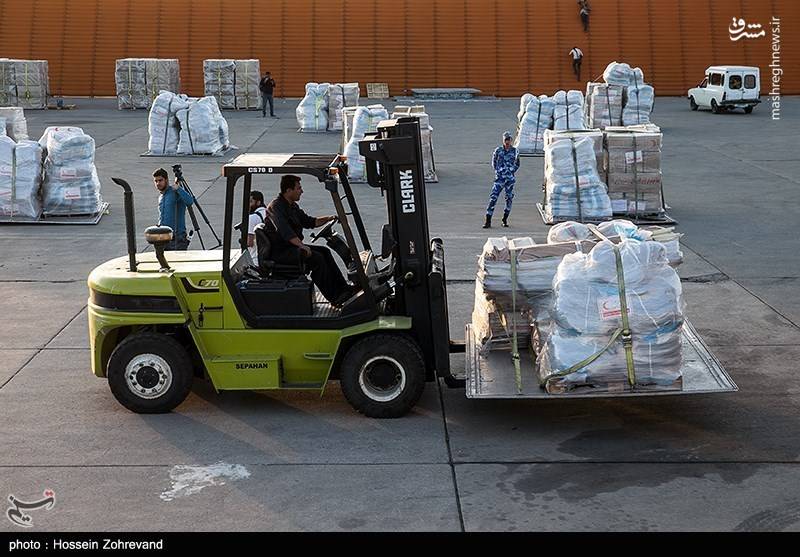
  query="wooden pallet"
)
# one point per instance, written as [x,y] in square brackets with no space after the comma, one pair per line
[377,90]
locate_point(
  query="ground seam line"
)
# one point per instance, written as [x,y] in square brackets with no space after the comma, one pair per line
[450,457]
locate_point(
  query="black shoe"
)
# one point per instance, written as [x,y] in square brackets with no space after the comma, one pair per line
[488,223]
[505,220]
[343,298]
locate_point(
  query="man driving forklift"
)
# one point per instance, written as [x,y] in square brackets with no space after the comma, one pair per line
[290,220]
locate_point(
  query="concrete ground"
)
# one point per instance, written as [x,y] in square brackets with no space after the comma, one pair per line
[300,462]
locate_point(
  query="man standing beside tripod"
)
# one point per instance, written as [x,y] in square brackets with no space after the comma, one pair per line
[172,204]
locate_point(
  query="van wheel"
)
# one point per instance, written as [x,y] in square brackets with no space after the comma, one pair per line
[383,375]
[150,373]
[748,109]
[714,107]
[692,104]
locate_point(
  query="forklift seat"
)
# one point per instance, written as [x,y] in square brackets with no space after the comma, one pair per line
[265,234]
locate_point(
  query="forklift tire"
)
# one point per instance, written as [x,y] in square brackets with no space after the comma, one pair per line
[748,109]
[715,107]
[150,373]
[383,375]
[692,104]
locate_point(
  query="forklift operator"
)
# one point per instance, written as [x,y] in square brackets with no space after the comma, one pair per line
[290,220]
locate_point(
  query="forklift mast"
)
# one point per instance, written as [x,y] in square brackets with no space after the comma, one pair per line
[394,163]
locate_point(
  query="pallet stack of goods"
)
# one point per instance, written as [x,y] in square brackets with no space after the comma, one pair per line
[535,117]
[178,124]
[24,83]
[312,112]
[603,105]
[568,111]
[233,83]
[365,120]
[20,178]
[633,170]
[13,123]
[140,80]
[574,189]
[341,96]
[638,97]
[348,113]
[426,136]
[70,184]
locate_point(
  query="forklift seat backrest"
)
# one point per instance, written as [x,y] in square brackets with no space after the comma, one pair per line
[265,233]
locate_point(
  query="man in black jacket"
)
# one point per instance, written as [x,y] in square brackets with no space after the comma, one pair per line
[266,86]
[290,220]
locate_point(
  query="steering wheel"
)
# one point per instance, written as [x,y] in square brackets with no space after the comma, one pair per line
[326,230]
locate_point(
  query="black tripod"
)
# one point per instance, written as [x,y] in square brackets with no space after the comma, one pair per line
[176,168]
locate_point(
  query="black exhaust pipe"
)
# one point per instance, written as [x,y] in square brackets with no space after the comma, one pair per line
[130,223]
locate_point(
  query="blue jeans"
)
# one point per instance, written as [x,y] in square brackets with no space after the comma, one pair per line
[264,100]
[501,184]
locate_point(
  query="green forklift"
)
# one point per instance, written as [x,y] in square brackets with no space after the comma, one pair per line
[159,319]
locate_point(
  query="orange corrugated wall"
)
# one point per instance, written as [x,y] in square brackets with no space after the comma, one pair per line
[503,47]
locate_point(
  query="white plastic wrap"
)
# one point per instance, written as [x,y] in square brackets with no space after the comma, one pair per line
[248,76]
[366,120]
[20,178]
[603,105]
[16,127]
[203,128]
[163,125]
[638,105]
[341,95]
[8,86]
[312,112]
[523,105]
[568,111]
[140,80]
[571,164]
[219,81]
[586,313]
[617,73]
[534,121]
[70,185]
[31,81]
[426,136]
[569,231]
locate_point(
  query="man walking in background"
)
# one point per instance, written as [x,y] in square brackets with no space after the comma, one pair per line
[505,162]
[577,57]
[267,86]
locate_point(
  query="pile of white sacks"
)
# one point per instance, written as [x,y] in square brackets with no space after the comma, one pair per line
[322,106]
[637,96]
[365,120]
[562,111]
[13,123]
[186,126]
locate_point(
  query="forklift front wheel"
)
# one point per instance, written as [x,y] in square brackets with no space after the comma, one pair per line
[150,373]
[383,376]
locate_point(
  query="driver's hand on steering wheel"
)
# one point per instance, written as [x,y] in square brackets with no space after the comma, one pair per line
[329,218]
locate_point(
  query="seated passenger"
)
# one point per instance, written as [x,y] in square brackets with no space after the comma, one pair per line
[290,220]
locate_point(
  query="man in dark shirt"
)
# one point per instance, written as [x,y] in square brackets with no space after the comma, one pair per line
[290,220]
[266,86]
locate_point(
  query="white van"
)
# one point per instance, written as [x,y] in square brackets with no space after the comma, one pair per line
[726,88]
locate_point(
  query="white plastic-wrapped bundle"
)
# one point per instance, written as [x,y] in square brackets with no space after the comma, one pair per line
[31,82]
[603,105]
[574,190]
[219,81]
[163,125]
[16,127]
[203,128]
[312,112]
[140,80]
[568,110]
[8,86]
[340,95]
[587,315]
[536,119]
[523,105]
[426,136]
[20,178]
[70,185]
[568,231]
[248,75]
[161,74]
[617,73]
[366,120]
[638,105]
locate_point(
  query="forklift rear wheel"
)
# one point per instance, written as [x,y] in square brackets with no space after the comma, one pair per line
[692,104]
[150,373]
[383,376]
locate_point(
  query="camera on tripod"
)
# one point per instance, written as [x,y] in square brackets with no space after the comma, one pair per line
[178,171]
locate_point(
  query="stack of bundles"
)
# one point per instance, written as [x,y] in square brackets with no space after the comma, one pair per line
[140,80]
[584,346]
[573,188]
[163,124]
[365,121]
[24,83]
[219,81]
[604,105]
[203,129]
[633,170]
[638,104]
[622,74]
[426,136]
[340,96]
[348,113]
[16,127]
[20,177]
[312,112]
[248,75]
[596,136]
[568,111]
[71,185]
[534,121]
